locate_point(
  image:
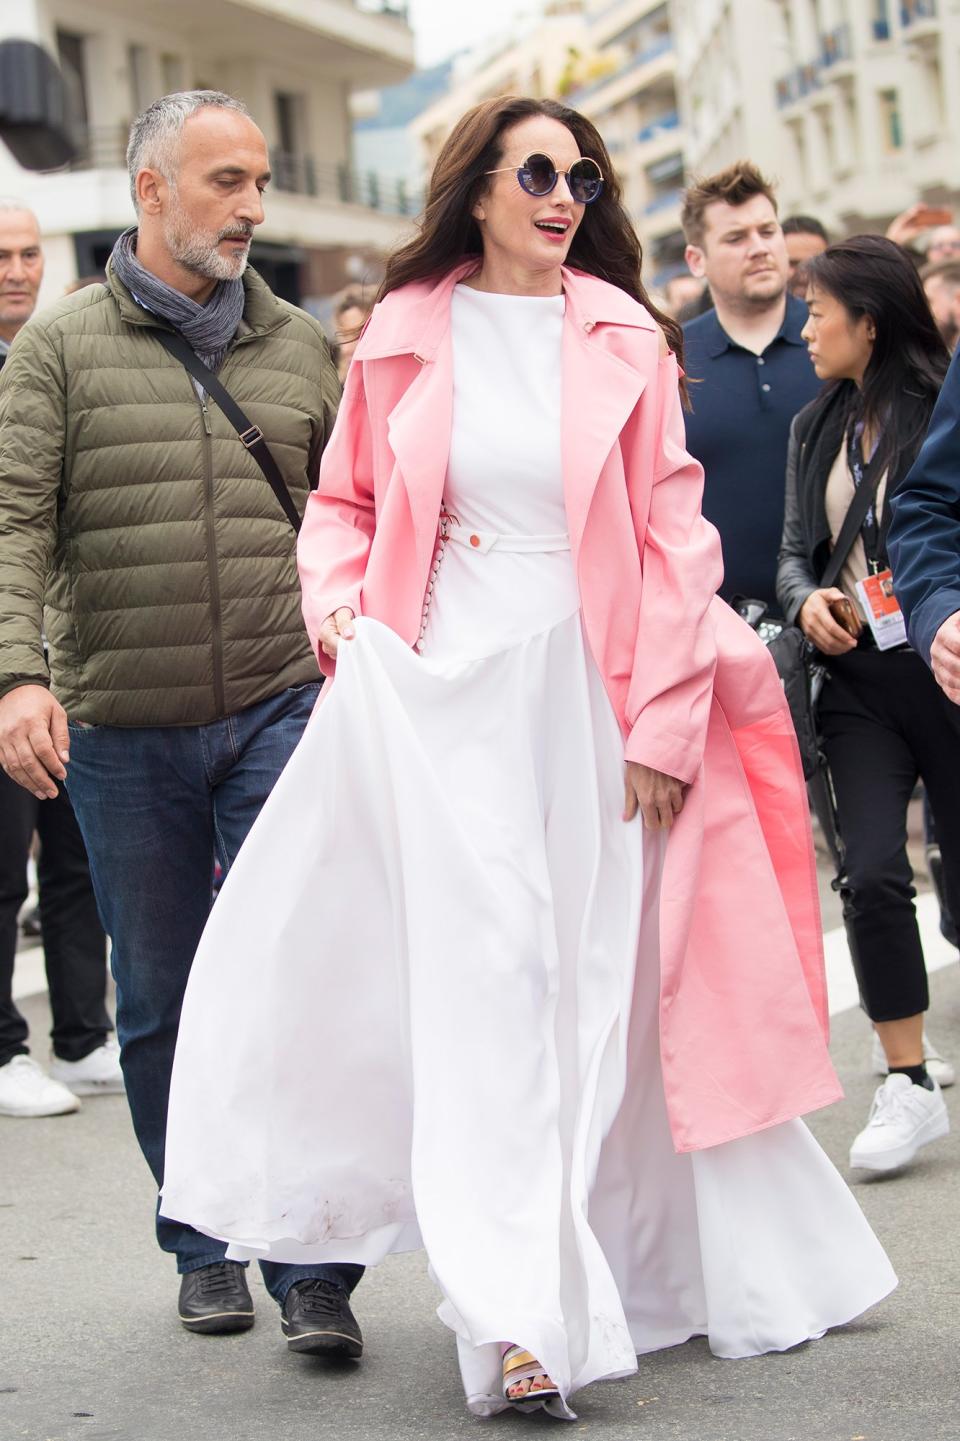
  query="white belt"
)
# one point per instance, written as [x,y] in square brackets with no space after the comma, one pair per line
[484,540]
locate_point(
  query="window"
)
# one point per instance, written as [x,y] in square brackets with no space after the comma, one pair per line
[293,169]
[138,65]
[288,123]
[71,52]
[171,73]
[891,124]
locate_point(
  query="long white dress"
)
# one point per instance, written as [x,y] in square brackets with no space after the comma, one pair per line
[442,891]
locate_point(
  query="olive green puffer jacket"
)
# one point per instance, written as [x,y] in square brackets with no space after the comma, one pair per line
[167,565]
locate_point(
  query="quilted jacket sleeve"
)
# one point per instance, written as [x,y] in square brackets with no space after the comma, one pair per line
[32,416]
[339,520]
[671,686]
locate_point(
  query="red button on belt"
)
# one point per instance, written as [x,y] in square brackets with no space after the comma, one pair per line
[474,540]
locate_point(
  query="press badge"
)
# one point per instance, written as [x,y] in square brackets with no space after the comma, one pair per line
[882,610]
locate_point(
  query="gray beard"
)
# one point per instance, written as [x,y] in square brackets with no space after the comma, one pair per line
[196,250]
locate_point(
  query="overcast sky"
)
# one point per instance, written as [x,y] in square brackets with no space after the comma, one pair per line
[443,26]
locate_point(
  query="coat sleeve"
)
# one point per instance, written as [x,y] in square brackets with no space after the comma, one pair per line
[671,686]
[924,537]
[339,520]
[32,414]
[795,579]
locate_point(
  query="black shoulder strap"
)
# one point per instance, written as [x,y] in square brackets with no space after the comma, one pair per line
[251,436]
[852,524]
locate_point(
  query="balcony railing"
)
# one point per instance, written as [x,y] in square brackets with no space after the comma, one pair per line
[797,83]
[668,121]
[912,11]
[633,62]
[298,174]
[396,8]
[104,148]
[835,46]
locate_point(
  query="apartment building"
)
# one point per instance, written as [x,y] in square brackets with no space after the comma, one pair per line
[633,102]
[852,104]
[537,58]
[294,62]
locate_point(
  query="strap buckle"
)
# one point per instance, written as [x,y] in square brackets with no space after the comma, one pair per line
[249,438]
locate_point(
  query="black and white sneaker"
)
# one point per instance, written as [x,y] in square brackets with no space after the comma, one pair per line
[317,1321]
[215,1299]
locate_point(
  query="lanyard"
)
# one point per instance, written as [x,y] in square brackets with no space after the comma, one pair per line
[863,474]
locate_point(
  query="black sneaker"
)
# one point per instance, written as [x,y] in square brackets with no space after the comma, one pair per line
[215,1299]
[316,1319]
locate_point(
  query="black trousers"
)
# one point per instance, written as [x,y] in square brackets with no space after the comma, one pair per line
[885,722]
[74,944]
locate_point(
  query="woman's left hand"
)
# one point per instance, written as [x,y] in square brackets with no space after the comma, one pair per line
[659,797]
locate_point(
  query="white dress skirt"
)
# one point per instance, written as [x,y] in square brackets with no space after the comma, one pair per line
[441,900]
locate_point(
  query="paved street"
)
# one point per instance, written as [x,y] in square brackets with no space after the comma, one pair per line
[90,1348]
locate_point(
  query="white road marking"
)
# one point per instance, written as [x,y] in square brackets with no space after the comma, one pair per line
[29,978]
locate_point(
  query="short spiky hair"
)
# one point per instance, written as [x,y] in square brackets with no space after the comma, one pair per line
[739,183]
[155,135]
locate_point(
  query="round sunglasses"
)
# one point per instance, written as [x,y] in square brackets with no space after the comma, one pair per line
[538,175]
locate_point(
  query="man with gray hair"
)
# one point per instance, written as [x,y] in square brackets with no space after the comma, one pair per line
[180,674]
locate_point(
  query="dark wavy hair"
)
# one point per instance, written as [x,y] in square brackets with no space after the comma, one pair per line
[870,275]
[605,244]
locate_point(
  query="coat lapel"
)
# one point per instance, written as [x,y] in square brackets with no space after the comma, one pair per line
[418,429]
[599,391]
[599,394]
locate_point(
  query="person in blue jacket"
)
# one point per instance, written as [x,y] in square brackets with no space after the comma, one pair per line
[924,541]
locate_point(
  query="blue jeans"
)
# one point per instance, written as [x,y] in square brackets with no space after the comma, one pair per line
[156,805]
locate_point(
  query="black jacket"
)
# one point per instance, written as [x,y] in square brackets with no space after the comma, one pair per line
[816,436]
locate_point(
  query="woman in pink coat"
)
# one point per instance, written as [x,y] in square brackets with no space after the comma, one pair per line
[540,872]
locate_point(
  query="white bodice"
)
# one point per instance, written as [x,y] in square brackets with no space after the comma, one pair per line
[505,470]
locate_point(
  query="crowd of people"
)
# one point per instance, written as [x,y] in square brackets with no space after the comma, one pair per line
[539,868]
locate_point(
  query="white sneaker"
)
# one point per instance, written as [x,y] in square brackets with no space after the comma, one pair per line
[903,1117]
[940,1070]
[27,1090]
[98,1074]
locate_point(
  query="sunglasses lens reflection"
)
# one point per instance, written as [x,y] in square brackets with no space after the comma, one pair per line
[538,175]
[585,181]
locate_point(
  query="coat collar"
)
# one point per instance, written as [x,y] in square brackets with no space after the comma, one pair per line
[716,340]
[414,319]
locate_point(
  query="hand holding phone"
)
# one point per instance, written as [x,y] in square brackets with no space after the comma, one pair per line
[846,615]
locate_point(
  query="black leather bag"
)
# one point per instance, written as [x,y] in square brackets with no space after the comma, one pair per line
[801,670]
[799,664]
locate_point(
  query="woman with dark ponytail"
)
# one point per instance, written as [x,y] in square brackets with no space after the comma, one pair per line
[884,720]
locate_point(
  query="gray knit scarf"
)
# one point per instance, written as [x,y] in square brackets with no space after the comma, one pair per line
[208,329]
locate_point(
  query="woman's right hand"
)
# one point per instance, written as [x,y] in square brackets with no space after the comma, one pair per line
[819,626]
[335,628]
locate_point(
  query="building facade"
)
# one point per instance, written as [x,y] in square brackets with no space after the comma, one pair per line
[633,103]
[537,59]
[852,105]
[294,62]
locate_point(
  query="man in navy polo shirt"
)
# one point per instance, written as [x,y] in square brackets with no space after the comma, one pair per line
[748,370]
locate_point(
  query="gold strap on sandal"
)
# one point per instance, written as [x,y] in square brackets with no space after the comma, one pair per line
[515,1359]
[520,1365]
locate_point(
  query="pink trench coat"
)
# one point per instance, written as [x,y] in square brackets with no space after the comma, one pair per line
[743,1015]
